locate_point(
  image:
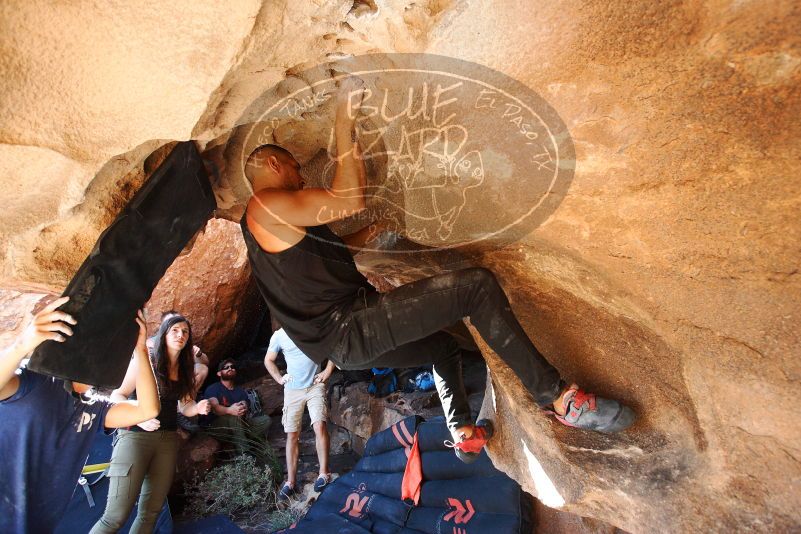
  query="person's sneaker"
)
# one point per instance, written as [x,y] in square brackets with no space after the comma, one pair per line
[321,482]
[588,411]
[468,450]
[287,492]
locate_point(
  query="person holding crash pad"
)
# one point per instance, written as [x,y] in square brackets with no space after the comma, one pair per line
[47,425]
[144,457]
[309,279]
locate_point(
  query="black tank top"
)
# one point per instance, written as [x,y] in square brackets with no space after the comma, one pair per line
[309,287]
[168,401]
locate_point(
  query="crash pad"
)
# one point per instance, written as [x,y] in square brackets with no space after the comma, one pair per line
[123,268]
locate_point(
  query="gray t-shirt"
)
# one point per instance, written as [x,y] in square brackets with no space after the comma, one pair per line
[298,366]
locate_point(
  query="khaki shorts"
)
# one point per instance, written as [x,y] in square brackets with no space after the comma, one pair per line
[296,399]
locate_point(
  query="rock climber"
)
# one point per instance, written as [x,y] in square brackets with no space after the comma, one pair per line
[309,279]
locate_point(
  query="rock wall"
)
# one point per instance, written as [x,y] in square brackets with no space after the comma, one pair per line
[668,275]
[211,286]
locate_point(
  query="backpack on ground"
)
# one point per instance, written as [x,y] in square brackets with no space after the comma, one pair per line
[415,379]
[383,383]
[254,403]
[424,381]
[342,379]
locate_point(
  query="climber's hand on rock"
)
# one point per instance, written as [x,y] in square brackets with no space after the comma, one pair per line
[349,98]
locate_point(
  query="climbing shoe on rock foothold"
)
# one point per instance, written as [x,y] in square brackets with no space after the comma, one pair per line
[587,410]
[468,449]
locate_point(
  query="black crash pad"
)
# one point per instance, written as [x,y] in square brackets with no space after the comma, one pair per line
[126,263]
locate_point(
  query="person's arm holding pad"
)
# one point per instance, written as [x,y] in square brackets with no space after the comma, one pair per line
[139,377]
[48,324]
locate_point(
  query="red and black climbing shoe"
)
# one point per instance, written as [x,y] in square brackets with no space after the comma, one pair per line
[587,410]
[468,449]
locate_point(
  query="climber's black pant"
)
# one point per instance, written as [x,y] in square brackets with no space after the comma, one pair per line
[402,328]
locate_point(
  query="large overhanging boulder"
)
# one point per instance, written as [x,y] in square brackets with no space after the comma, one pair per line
[667,275]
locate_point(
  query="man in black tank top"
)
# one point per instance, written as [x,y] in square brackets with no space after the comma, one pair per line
[310,282]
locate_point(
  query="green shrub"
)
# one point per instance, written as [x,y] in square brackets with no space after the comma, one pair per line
[260,449]
[232,487]
[281,519]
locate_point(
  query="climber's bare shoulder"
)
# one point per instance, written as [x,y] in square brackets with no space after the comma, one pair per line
[272,236]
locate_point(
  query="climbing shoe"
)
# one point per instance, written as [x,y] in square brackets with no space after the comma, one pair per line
[587,410]
[287,492]
[468,449]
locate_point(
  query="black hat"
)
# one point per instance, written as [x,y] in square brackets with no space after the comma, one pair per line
[224,363]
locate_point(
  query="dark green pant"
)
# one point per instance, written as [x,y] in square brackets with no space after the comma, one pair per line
[141,460]
[247,435]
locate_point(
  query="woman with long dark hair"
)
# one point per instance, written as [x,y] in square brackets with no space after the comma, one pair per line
[144,456]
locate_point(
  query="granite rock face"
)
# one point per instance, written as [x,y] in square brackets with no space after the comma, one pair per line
[363,415]
[667,276]
[211,286]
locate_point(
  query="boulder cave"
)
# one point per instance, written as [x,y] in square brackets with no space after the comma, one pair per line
[664,273]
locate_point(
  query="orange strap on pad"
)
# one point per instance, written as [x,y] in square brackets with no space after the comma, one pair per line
[412,475]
